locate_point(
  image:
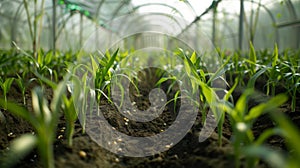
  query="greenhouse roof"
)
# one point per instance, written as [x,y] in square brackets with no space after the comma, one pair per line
[220,19]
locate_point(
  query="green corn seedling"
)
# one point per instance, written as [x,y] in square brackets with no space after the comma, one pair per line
[252,58]
[71,116]
[273,73]
[43,119]
[23,84]
[5,86]
[242,121]
[103,73]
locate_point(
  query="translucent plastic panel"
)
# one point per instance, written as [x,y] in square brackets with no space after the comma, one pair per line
[265,21]
[171,7]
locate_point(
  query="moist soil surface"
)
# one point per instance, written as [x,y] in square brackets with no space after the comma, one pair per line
[85,152]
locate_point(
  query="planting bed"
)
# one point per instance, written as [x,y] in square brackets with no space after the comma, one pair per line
[187,153]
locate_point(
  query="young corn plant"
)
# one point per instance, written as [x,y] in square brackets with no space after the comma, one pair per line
[80,90]
[238,68]
[285,128]
[252,59]
[23,84]
[243,119]
[208,94]
[291,77]
[71,116]
[273,73]
[68,106]
[103,73]
[197,76]
[43,119]
[5,86]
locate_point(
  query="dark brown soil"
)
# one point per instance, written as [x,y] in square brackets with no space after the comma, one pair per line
[86,153]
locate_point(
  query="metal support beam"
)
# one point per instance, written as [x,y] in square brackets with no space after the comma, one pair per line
[214,25]
[54,26]
[241,25]
[286,24]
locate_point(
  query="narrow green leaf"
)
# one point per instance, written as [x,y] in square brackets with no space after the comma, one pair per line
[252,57]
[262,108]
[241,104]
[275,56]
[270,156]
[292,133]
[20,111]
[194,57]
[228,94]
[47,81]
[251,82]
[7,83]
[58,94]
[163,79]
[268,133]
[220,71]
[94,64]
[108,66]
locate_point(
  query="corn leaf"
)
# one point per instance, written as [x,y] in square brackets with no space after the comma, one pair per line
[270,156]
[252,57]
[292,133]
[275,56]
[251,83]
[194,57]
[262,108]
[20,111]
[241,105]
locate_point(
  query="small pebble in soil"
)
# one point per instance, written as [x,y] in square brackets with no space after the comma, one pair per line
[62,129]
[174,157]
[60,137]
[82,154]
[11,135]
[117,160]
[159,159]
[169,146]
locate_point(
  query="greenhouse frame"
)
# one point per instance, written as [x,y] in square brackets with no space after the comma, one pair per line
[149,83]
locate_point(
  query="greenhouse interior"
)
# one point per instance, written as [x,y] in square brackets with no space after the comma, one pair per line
[149,83]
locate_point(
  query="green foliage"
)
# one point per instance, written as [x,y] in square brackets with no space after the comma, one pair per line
[5,86]
[23,83]
[277,70]
[71,116]
[43,119]
[252,58]
[242,120]
[103,73]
